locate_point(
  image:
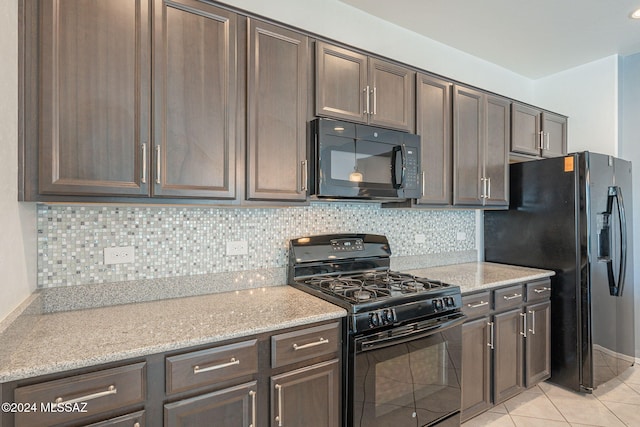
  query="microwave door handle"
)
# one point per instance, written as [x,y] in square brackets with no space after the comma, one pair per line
[398,181]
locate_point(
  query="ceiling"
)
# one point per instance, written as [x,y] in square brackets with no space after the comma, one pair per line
[532,38]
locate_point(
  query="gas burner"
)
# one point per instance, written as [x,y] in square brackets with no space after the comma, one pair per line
[362,295]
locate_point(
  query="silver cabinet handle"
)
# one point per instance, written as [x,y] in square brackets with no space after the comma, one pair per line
[311,344]
[480,304]
[375,101]
[489,188]
[533,322]
[541,140]
[548,144]
[524,324]
[424,183]
[541,290]
[109,391]
[198,370]
[366,97]
[305,176]
[252,394]
[158,161]
[491,335]
[144,163]
[510,297]
[279,417]
[483,180]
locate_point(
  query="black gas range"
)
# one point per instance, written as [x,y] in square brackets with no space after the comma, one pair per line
[402,341]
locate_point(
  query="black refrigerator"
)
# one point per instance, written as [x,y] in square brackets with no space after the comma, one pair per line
[573,215]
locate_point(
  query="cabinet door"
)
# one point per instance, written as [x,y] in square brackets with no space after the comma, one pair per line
[230,407]
[136,419]
[525,136]
[341,83]
[433,98]
[468,142]
[194,82]
[277,110]
[496,168]
[392,97]
[94,97]
[476,367]
[555,135]
[507,356]
[537,343]
[307,397]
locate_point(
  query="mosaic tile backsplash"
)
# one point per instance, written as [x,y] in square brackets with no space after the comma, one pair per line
[186,241]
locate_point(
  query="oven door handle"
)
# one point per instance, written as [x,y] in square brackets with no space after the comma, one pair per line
[451,322]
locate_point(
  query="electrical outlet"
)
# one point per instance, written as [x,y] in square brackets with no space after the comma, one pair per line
[461,236]
[119,255]
[237,247]
[420,238]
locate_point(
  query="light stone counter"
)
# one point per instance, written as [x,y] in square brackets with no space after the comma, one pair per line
[38,344]
[476,276]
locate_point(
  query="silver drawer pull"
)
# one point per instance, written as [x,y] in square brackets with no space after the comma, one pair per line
[233,361]
[541,290]
[311,344]
[279,417]
[480,304]
[510,297]
[252,394]
[491,335]
[109,391]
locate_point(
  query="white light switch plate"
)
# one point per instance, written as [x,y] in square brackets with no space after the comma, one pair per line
[237,247]
[461,235]
[420,238]
[119,255]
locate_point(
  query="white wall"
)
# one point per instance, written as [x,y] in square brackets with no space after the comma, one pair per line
[588,94]
[17,220]
[338,21]
[630,150]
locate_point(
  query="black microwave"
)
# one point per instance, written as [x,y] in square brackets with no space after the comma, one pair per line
[349,160]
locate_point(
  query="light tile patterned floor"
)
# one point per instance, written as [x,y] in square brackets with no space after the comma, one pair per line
[613,404]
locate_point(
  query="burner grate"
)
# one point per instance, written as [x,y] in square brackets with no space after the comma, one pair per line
[374,285]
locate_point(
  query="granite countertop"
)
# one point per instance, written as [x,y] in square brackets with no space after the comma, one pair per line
[476,276]
[56,342]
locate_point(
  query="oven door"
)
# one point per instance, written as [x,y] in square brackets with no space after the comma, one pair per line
[410,375]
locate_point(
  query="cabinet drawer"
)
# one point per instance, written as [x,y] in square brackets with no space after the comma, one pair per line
[131,420]
[101,391]
[539,291]
[507,297]
[204,367]
[477,304]
[306,344]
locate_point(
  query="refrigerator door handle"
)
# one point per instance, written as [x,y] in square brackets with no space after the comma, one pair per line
[615,193]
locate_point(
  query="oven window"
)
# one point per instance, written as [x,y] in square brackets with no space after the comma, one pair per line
[414,383]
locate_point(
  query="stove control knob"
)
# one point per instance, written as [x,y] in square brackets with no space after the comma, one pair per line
[388,316]
[438,304]
[449,302]
[374,320]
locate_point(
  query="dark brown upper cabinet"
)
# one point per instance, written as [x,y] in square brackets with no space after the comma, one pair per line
[433,108]
[88,97]
[481,133]
[277,87]
[195,73]
[538,133]
[355,87]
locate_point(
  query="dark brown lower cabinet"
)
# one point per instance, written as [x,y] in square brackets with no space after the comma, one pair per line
[505,344]
[137,419]
[309,396]
[537,343]
[230,407]
[508,360]
[476,367]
